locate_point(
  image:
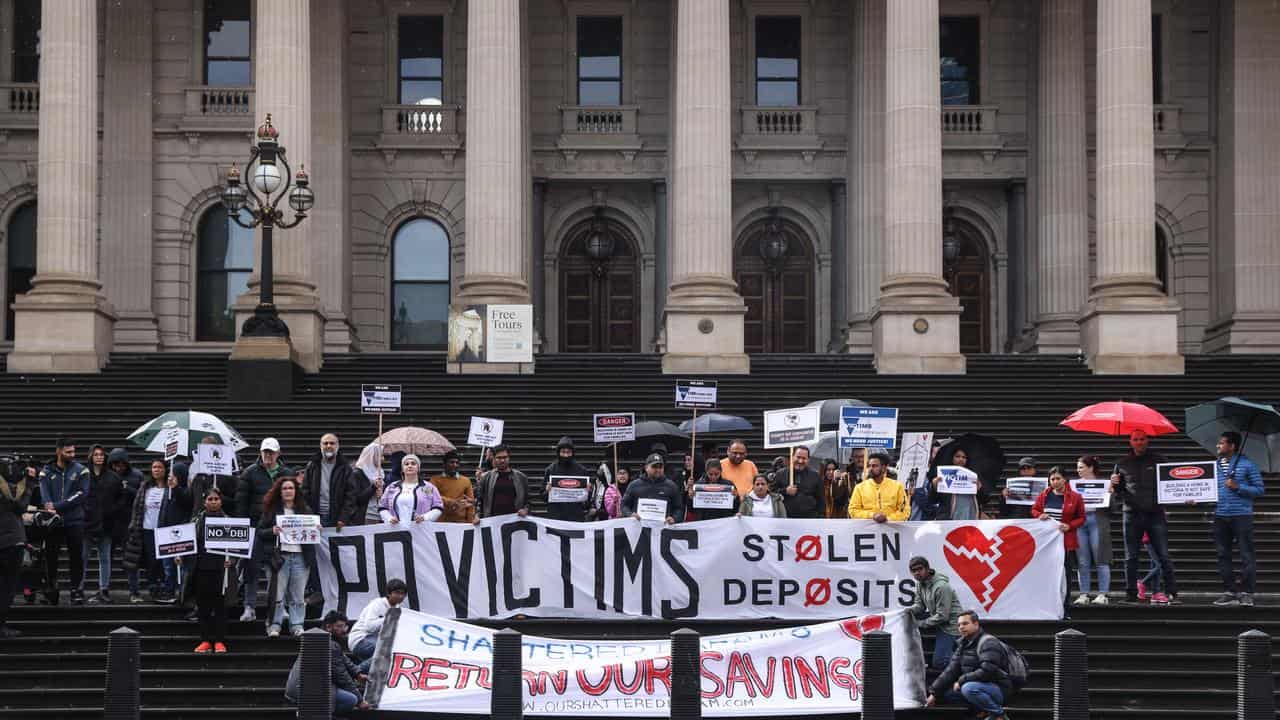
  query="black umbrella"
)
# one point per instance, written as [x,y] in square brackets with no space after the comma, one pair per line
[650,433]
[1258,423]
[986,458]
[829,411]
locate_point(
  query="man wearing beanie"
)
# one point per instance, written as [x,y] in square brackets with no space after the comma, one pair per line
[456,491]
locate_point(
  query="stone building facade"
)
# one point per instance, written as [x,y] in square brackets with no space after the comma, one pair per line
[918,179]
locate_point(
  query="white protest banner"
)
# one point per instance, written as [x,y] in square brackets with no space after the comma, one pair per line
[875,428]
[790,427]
[652,510]
[1024,490]
[569,489]
[433,664]
[485,432]
[1179,483]
[714,497]
[696,394]
[732,568]
[213,459]
[957,480]
[228,534]
[614,427]
[299,529]
[913,461]
[175,540]
[1096,493]
[382,399]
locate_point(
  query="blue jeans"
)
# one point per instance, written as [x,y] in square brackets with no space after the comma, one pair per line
[170,574]
[1238,528]
[291,588]
[344,701]
[363,652]
[1152,579]
[102,545]
[1090,547]
[1156,525]
[987,697]
[944,646]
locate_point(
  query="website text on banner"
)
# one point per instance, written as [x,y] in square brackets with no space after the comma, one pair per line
[444,666]
[732,568]
[868,427]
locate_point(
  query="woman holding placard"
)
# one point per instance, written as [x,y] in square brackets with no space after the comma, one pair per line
[1094,536]
[206,580]
[1059,503]
[292,562]
[409,499]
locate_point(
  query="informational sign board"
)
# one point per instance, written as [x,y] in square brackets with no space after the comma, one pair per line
[917,451]
[299,529]
[713,497]
[1025,490]
[214,460]
[173,443]
[696,394]
[175,540]
[569,489]
[652,510]
[790,427]
[1096,493]
[380,399]
[229,535]
[485,432]
[490,334]
[614,427]
[1179,483]
[868,427]
[957,480]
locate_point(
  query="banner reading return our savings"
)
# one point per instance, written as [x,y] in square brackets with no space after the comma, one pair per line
[444,666]
[732,568]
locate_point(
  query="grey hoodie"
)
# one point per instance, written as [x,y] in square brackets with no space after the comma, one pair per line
[936,606]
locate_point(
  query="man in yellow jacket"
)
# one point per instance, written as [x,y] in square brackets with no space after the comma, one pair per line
[879,497]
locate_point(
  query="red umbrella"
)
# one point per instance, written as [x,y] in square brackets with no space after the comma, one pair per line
[1119,418]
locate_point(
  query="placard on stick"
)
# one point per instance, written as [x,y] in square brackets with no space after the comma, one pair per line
[614,427]
[175,540]
[790,427]
[697,394]
[485,432]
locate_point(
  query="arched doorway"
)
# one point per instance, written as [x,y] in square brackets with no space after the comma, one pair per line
[599,288]
[773,266]
[967,270]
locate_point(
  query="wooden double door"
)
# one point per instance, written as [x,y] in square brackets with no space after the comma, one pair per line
[600,299]
[778,292]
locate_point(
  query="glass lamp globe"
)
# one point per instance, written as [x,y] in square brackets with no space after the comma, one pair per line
[266,178]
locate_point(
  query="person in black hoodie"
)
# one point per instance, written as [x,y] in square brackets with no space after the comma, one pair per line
[117,525]
[15,495]
[206,579]
[565,464]
[105,497]
[1134,482]
[711,476]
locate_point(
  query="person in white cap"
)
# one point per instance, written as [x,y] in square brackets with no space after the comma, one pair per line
[255,481]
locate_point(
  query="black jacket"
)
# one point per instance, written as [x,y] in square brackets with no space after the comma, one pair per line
[644,488]
[810,498]
[106,501]
[489,480]
[1138,481]
[133,550]
[14,499]
[712,514]
[67,489]
[972,662]
[206,567]
[342,670]
[255,481]
[362,490]
[200,484]
[576,512]
[268,540]
[342,491]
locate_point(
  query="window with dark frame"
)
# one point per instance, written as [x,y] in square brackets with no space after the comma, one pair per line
[777,61]
[1157,59]
[420,62]
[21,237]
[600,61]
[224,261]
[26,41]
[228,43]
[420,286]
[960,44]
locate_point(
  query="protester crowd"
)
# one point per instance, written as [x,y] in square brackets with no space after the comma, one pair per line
[110,509]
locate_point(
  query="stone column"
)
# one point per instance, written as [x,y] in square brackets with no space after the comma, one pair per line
[865,258]
[127,241]
[538,242]
[839,264]
[916,327]
[64,324]
[1062,180]
[1129,326]
[495,158]
[704,312]
[329,229]
[1247,298]
[1016,197]
[661,256]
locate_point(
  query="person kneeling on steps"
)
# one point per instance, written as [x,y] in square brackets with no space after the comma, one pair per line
[981,673]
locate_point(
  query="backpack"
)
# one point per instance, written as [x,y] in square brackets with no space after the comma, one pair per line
[1016,665]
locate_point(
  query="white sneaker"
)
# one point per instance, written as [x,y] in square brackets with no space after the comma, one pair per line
[273,631]
[1082,600]
[1101,599]
[295,631]
[248,615]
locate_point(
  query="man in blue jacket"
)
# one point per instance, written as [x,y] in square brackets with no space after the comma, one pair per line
[1239,482]
[64,488]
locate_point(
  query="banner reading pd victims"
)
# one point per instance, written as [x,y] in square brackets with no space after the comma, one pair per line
[732,568]
[445,666]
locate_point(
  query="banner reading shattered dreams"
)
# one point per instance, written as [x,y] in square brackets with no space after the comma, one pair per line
[444,666]
[733,568]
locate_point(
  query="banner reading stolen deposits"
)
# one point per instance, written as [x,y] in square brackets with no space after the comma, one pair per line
[732,568]
[444,666]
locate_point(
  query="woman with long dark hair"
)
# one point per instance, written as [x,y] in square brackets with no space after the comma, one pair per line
[1094,538]
[1059,503]
[206,580]
[292,563]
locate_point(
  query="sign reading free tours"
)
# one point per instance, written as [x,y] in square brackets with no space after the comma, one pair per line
[733,568]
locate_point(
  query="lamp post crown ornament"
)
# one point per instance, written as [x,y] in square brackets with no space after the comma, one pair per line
[268,132]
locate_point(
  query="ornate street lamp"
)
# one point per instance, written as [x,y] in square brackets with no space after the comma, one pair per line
[260,199]
[774,243]
[599,244]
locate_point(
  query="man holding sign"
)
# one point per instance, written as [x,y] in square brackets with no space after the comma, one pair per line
[801,488]
[652,492]
[1134,481]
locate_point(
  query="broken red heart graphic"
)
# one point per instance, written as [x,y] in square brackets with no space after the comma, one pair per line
[855,627]
[988,564]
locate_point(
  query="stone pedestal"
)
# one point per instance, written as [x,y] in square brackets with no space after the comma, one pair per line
[262,369]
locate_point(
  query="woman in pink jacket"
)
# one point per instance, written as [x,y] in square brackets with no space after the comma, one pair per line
[613,494]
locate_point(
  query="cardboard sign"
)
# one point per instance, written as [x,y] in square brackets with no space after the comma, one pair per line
[1096,493]
[917,451]
[380,399]
[485,432]
[652,510]
[569,489]
[791,427]
[173,443]
[229,535]
[1024,490]
[214,460]
[299,529]
[490,334]
[868,427]
[957,480]
[614,427]
[1179,483]
[175,540]
[713,497]
[696,393]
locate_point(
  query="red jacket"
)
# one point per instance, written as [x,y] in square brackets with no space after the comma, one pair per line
[1072,514]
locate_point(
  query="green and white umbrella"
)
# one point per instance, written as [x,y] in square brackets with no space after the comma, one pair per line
[189,428]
